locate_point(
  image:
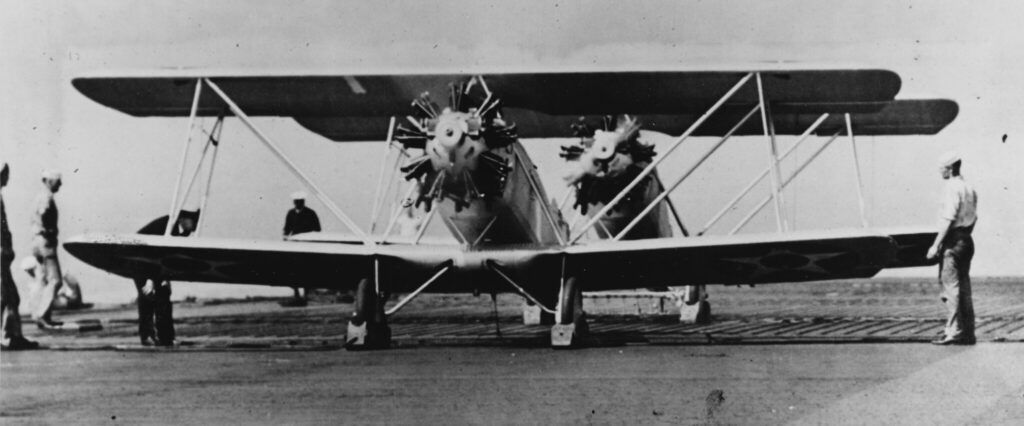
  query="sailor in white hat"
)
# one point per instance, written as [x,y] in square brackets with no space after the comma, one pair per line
[299,219]
[954,249]
[44,247]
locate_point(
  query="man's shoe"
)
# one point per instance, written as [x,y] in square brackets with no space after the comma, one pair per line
[48,325]
[167,343]
[20,343]
[947,341]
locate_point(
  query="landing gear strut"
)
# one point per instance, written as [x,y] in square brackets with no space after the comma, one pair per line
[368,328]
[572,323]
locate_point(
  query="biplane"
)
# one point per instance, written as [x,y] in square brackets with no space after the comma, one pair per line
[463,163]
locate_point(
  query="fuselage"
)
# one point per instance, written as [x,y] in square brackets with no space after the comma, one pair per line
[476,176]
[514,215]
[483,183]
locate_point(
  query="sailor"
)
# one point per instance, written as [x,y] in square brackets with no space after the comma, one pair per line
[154,293]
[299,219]
[10,319]
[44,248]
[954,248]
[70,294]
[409,223]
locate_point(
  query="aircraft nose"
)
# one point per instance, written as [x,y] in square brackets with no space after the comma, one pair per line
[604,146]
[450,134]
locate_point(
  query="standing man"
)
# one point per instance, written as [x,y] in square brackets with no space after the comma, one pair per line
[10,319]
[954,248]
[301,218]
[154,293]
[298,220]
[44,248]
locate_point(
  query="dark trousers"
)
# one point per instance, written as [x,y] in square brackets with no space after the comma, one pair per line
[155,307]
[954,274]
[9,301]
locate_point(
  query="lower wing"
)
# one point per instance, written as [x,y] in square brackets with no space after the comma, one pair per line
[742,259]
[603,265]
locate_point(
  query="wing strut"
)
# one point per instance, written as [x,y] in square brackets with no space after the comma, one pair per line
[666,191]
[768,124]
[291,166]
[650,168]
[810,130]
[492,265]
[443,268]
[211,141]
[789,179]
[172,216]
[215,140]
[672,208]
[856,168]
[377,197]
[397,213]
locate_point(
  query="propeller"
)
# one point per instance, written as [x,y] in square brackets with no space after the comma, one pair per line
[602,160]
[459,143]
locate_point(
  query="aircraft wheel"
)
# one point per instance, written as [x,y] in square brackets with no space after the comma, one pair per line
[704,312]
[571,328]
[366,302]
[571,303]
[368,328]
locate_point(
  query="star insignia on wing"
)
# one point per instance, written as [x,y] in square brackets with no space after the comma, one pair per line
[211,268]
[776,261]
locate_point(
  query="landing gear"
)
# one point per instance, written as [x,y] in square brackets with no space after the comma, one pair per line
[368,328]
[572,323]
[694,307]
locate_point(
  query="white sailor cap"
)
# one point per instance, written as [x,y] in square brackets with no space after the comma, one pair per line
[52,174]
[298,195]
[28,263]
[949,158]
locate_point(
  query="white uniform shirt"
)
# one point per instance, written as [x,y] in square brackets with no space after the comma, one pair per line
[959,202]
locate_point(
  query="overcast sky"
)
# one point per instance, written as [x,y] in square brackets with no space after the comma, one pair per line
[120,170]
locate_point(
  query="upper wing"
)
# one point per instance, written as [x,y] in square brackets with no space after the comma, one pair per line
[573,93]
[544,104]
[901,117]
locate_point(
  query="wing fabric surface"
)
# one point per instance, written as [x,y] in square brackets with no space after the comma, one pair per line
[902,117]
[357,107]
[644,92]
[280,263]
[737,259]
[606,265]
